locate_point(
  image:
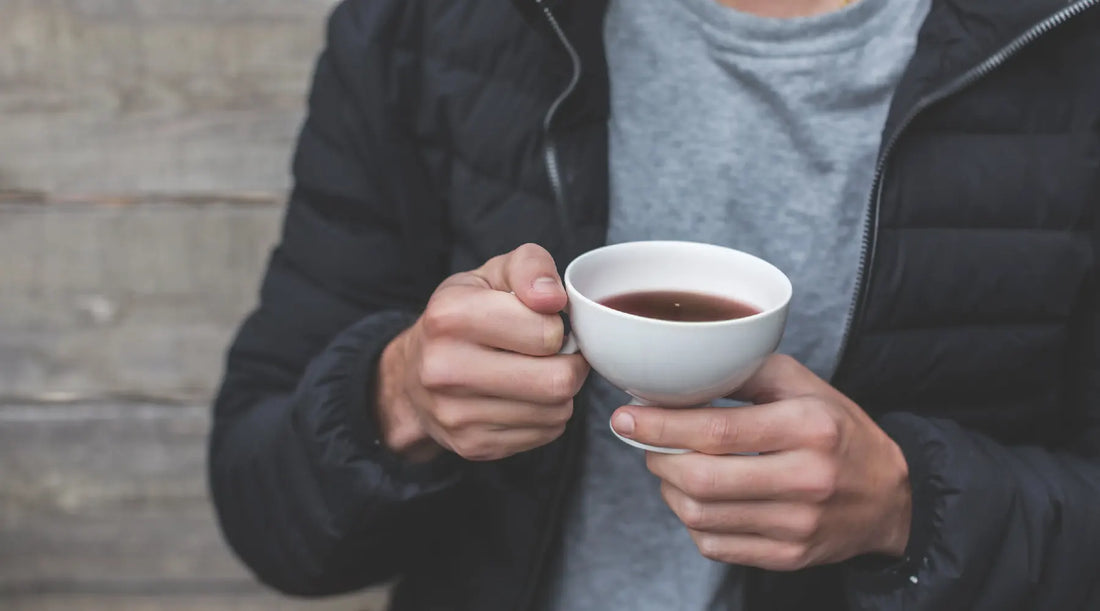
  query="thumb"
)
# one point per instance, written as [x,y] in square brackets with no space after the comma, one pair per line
[529,272]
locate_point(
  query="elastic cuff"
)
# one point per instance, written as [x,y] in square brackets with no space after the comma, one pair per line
[371,336]
[879,574]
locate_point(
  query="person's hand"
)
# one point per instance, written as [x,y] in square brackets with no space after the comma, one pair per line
[479,373]
[829,483]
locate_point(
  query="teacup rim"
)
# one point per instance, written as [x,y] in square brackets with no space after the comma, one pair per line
[788,286]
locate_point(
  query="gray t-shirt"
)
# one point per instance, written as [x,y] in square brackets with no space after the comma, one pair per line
[759,134]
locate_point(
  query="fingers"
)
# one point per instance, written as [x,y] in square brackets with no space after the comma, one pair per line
[484,428]
[752,550]
[476,306]
[717,430]
[786,521]
[528,271]
[780,377]
[483,377]
[478,445]
[460,413]
[492,318]
[766,511]
[784,476]
[463,369]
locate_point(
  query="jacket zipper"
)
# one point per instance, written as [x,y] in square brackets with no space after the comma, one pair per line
[553,170]
[871,225]
[550,152]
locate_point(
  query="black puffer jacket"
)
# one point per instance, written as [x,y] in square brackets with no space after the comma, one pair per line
[434,142]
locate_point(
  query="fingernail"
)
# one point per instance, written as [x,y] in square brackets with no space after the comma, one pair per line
[545,285]
[623,423]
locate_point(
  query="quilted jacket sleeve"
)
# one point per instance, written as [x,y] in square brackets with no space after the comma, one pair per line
[995,527]
[305,493]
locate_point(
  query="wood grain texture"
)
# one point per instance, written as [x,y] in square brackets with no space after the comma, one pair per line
[105,506]
[125,299]
[144,152]
[153,95]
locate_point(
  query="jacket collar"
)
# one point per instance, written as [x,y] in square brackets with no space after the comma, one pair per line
[959,35]
[989,18]
[971,30]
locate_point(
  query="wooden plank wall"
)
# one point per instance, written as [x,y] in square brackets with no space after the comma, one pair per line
[144,147]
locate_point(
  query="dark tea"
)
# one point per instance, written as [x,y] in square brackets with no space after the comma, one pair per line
[680,306]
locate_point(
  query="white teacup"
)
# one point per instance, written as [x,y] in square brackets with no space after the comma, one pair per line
[670,363]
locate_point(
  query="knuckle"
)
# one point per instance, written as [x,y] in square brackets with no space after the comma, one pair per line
[824,430]
[692,513]
[718,432]
[805,408]
[474,450]
[819,485]
[792,558]
[701,483]
[553,334]
[529,250]
[805,525]
[437,370]
[450,417]
[561,384]
[668,493]
[652,464]
[579,369]
[442,317]
[462,446]
[562,415]
[710,546]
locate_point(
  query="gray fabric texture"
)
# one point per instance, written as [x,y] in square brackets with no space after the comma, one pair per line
[755,133]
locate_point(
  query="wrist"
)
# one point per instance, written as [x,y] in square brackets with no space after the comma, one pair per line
[399,423]
[898,514]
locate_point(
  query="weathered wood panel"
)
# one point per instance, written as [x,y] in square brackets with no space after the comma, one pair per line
[125,299]
[105,506]
[153,95]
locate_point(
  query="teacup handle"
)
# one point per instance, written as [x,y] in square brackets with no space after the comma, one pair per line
[569,346]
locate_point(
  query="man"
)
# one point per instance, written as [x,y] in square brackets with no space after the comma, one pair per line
[926,171]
